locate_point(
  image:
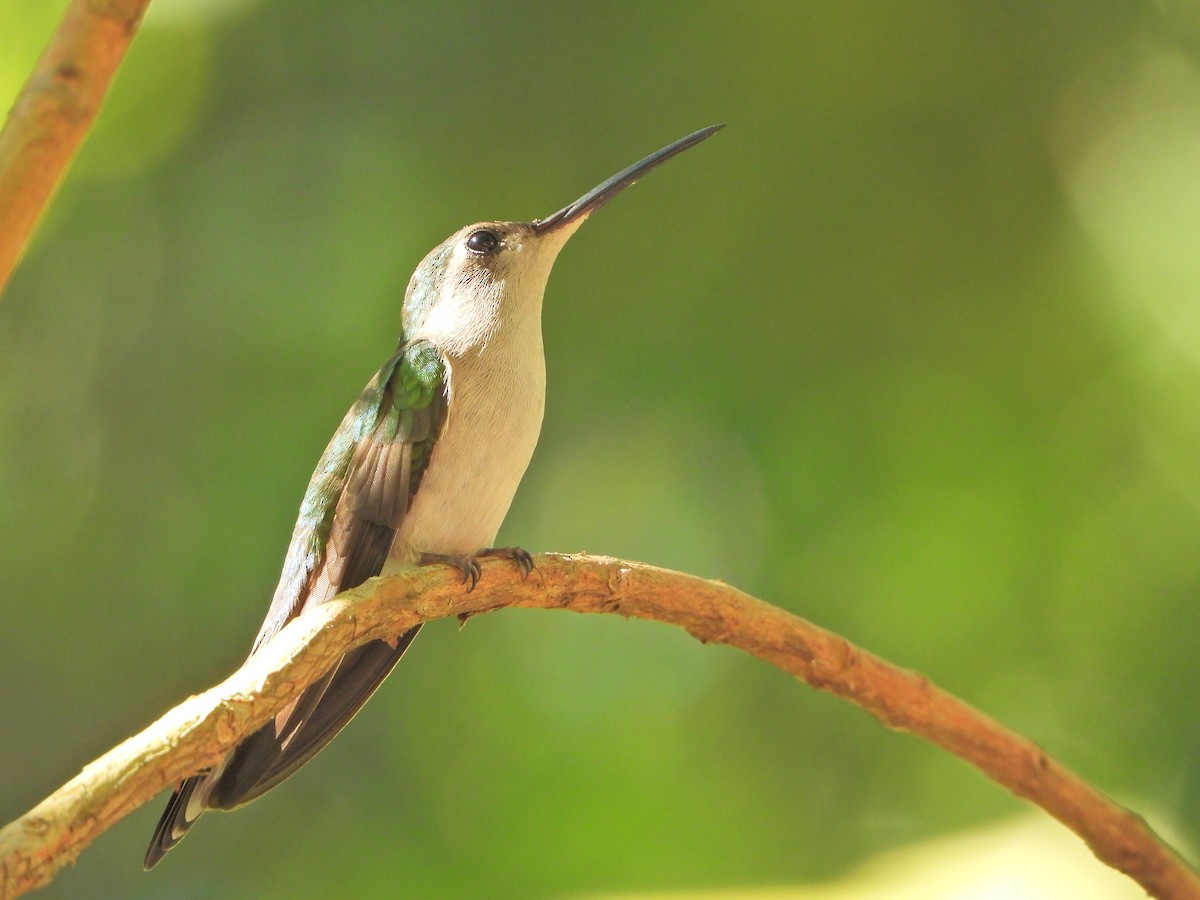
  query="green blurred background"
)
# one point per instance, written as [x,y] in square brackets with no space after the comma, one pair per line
[912,348]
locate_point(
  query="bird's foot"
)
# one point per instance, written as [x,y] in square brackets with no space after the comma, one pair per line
[518,555]
[467,565]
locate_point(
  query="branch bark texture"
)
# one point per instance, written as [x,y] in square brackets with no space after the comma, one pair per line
[198,732]
[54,111]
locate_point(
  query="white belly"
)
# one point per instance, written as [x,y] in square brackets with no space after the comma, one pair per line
[492,425]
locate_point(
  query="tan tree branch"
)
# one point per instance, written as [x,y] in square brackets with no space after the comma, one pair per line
[198,732]
[54,111]
[40,137]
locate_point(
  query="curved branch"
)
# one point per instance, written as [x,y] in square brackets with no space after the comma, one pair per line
[199,731]
[54,111]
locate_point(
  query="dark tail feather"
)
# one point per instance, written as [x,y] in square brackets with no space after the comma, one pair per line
[174,823]
[260,762]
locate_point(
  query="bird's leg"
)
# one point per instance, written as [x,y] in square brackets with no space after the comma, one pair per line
[468,566]
[518,555]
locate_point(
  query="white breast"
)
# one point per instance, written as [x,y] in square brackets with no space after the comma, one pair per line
[497,398]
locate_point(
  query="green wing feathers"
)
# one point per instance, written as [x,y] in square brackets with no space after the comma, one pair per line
[389,459]
[354,504]
[367,475]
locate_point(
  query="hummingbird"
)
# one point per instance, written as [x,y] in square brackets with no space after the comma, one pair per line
[421,471]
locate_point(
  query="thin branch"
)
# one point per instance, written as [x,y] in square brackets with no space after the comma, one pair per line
[54,111]
[198,732]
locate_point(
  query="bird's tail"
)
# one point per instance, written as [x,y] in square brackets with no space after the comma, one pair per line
[174,822]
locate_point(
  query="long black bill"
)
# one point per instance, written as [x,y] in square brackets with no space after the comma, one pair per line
[602,193]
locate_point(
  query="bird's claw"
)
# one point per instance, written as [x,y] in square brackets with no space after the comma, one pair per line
[519,555]
[468,566]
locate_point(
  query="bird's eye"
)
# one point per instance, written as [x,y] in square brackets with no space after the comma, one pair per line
[482,241]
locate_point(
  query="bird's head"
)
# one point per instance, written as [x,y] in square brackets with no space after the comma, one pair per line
[488,275]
